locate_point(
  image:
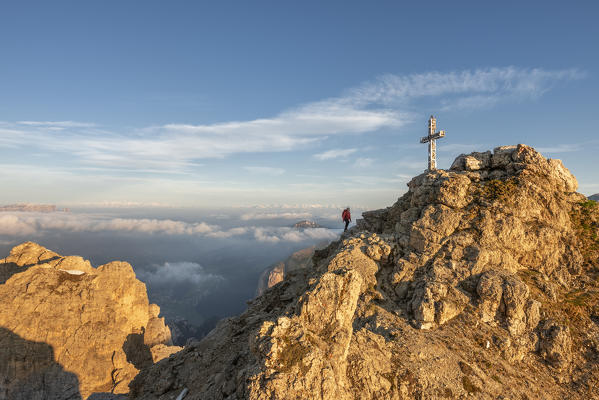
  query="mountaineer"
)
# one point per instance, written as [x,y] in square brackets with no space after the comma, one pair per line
[346,217]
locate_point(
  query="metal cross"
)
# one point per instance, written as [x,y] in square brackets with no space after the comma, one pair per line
[432,145]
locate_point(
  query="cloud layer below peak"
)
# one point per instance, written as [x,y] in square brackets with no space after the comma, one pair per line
[15,224]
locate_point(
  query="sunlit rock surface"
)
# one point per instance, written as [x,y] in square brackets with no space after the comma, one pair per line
[68,330]
[481,281]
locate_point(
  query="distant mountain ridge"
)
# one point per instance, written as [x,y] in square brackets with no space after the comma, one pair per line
[594,197]
[28,207]
[306,224]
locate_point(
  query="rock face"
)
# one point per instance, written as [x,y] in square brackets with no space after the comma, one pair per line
[480,281]
[276,273]
[68,330]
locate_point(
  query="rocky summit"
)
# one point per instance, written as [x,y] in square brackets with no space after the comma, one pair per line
[480,281]
[68,330]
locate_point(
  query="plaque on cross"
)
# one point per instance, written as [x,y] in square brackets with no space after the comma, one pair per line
[432,145]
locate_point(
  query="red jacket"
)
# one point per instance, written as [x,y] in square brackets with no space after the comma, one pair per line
[345,215]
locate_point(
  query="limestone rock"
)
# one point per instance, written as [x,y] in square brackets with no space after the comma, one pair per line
[556,344]
[480,281]
[276,273]
[270,277]
[69,329]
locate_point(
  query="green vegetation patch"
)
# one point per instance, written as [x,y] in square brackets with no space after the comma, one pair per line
[589,204]
[580,298]
[497,189]
[585,221]
[576,309]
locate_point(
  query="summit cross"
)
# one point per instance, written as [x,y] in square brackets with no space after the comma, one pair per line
[432,145]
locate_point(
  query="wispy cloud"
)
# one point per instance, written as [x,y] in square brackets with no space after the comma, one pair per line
[485,83]
[335,153]
[382,103]
[363,162]
[272,171]
[471,102]
[58,124]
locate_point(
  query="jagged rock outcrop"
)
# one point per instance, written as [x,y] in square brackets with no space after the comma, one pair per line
[480,281]
[68,329]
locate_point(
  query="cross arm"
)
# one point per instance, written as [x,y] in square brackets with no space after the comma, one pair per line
[438,135]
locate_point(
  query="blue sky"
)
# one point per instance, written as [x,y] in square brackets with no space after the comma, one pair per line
[242,103]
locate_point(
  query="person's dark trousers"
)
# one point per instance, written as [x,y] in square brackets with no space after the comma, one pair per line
[346,224]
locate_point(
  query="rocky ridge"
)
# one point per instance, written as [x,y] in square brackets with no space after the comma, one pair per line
[68,330]
[480,281]
[45,208]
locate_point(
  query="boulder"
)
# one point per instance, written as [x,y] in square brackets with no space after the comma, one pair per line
[71,329]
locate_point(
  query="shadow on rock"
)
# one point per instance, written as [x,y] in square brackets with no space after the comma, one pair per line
[28,371]
[107,396]
[9,269]
[138,353]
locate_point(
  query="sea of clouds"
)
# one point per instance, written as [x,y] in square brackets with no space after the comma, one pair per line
[196,264]
[38,224]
